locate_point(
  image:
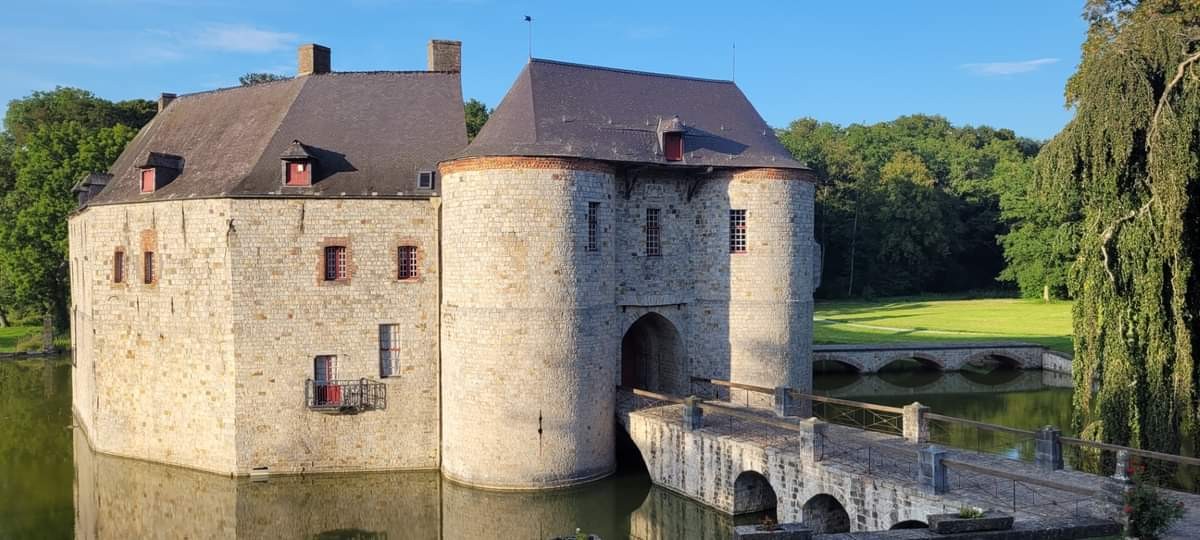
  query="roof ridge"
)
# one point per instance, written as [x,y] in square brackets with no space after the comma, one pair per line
[630,71]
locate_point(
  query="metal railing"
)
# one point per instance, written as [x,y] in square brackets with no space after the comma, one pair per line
[345,396]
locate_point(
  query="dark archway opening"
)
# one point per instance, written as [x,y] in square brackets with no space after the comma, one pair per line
[754,499]
[652,356]
[911,372]
[910,524]
[833,374]
[825,514]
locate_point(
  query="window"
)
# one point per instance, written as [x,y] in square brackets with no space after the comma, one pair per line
[148,267]
[673,146]
[335,263]
[324,377]
[298,173]
[593,226]
[148,180]
[406,262]
[118,266]
[737,231]
[653,233]
[425,180]
[389,349]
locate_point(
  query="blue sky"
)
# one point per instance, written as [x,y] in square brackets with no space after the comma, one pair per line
[987,62]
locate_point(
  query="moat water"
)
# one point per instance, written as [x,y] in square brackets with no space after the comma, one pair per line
[53,486]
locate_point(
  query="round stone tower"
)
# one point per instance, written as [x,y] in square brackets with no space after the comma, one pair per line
[771,283]
[528,358]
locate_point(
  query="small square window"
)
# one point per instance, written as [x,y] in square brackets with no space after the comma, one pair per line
[335,263]
[406,262]
[425,180]
[297,173]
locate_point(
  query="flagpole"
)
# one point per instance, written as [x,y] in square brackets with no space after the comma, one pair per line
[529,20]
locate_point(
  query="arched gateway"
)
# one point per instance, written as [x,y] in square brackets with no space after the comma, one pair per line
[652,356]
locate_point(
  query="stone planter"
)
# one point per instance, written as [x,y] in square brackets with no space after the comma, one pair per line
[952,524]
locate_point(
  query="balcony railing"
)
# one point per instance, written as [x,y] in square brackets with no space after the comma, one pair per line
[347,397]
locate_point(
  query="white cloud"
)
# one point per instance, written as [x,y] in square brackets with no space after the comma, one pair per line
[243,38]
[1008,68]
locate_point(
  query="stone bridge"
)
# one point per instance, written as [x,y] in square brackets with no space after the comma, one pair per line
[837,478]
[1017,381]
[870,358]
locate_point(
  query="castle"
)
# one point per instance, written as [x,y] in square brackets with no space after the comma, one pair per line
[321,274]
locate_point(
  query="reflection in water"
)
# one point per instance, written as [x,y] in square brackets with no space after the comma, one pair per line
[121,498]
[53,486]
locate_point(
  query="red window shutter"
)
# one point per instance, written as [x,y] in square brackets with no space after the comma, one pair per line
[673,146]
[147,180]
[299,173]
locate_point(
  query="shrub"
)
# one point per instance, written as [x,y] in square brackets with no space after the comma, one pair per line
[1150,513]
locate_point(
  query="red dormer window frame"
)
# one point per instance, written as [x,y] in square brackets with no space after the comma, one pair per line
[297,173]
[673,146]
[148,179]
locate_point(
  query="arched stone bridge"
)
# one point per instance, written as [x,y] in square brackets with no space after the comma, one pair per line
[1018,381]
[870,358]
[836,478]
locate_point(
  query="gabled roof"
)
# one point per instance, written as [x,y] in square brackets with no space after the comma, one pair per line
[370,133]
[572,110]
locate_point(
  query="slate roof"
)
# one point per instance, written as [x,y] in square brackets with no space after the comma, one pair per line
[370,132]
[573,110]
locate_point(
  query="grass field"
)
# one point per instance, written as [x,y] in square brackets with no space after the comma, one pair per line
[11,336]
[891,320]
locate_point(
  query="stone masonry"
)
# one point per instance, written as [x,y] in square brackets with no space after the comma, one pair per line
[532,322]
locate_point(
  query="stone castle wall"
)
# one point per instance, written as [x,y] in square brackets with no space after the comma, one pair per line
[284,314]
[533,321]
[206,367]
[527,323]
[154,376]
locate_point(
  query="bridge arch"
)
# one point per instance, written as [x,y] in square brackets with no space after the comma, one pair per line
[752,492]
[910,524]
[1003,359]
[923,361]
[653,356]
[837,361]
[823,513]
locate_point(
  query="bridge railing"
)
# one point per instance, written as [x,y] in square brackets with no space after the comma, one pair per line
[1045,447]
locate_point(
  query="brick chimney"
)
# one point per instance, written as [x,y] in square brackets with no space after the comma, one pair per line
[445,55]
[314,59]
[165,99]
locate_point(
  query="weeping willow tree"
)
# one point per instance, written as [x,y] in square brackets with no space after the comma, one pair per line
[1127,167]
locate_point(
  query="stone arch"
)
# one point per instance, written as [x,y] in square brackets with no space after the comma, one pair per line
[846,361]
[823,513]
[924,361]
[653,357]
[910,524]
[1005,360]
[752,492]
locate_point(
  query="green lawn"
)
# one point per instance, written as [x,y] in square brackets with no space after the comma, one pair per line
[10,336]
[891,320]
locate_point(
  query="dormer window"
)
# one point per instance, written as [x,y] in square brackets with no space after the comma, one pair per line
[156,170]
[147,180]
[671,137]
[425,180]
[298,162]
[299,173]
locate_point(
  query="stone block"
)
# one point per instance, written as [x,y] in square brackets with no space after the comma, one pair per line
[1048,449]
[953,524]
[782,531]
[931,472]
